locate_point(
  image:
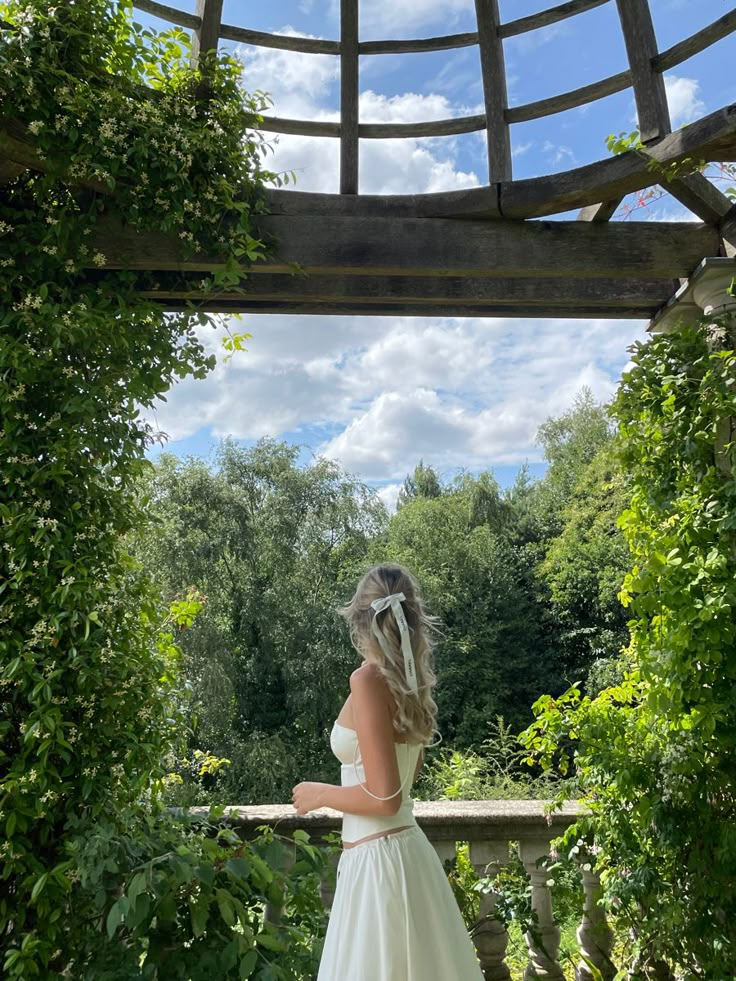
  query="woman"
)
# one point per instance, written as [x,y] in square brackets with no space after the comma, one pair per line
[394,917]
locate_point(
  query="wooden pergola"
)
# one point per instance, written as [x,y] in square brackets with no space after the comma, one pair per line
[489,251]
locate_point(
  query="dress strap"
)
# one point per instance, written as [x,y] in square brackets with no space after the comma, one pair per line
[403,782]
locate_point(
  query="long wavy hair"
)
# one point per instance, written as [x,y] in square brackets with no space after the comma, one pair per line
[416,714]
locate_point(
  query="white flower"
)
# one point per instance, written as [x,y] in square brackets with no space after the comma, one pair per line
[35,127]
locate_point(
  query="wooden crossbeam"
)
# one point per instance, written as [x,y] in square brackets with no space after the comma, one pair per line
[321,245]
[430,296]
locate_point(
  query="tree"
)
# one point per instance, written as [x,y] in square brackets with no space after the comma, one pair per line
[276,547]
[424,482]
[495,656]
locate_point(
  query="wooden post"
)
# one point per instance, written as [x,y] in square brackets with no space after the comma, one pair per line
[494,90]
[206,36]
[349,92]
[641,48]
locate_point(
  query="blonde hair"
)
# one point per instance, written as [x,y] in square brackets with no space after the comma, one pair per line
[416,714]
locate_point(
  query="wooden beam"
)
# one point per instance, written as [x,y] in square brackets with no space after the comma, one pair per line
[440,248]
[711,138]
[602,211]
[172,14]
[702,198]
[349,95]
[445,42]
[440,292]
[546,17]
[475,202]
[727,231]
[284,42]
[493,71]
[206,37]
[569,100]
[252,305]
[696,43]
[641,48]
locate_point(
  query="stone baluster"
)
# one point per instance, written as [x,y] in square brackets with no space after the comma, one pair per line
[491,937]
[594,934]
[543,939]
[445,849]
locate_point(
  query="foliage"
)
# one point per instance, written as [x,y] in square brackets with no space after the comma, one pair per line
[497,652]
[585,564]
[185,899]
[276,547]
[654,755]
[720,173]
[91,702]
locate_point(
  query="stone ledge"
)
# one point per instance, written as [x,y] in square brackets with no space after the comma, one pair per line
[440,820]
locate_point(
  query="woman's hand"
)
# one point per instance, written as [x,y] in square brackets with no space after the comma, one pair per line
[308,797]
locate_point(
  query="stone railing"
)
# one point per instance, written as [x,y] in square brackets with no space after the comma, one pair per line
[489,827]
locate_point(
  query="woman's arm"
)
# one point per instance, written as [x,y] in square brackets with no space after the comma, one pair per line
[374,728]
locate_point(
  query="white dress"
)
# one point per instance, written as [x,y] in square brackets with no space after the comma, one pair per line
[394,916]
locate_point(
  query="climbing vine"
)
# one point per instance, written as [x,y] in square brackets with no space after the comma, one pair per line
[117,131]
[655,756]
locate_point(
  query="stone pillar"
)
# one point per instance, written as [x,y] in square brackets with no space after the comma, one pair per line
[543,939]
[491,938]
[594,934]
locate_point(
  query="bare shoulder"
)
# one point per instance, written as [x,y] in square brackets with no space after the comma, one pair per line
[369,680]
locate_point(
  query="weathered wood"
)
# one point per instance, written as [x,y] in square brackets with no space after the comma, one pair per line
[602,211]
[695,43]
[475,202]
[546,17]
[569,100]
[439,292]
[205,37]
[17,151]
[377,131]
[712,138]
[641,48]
[493,72]
[284,42]
[250,303]
[349,93]
[298,127]
[441,247]
[702,198]
[412,45]
[727,231]
[172,14]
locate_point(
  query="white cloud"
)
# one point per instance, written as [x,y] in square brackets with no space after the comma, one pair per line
[683,99]
[458,392]
[389,494]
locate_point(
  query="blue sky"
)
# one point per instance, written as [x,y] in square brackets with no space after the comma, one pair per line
[378,394]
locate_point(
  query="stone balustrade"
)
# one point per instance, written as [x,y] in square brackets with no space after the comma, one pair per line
[489,827]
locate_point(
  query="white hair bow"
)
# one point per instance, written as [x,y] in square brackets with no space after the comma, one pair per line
[394,601]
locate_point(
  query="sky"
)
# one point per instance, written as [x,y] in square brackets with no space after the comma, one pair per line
[380,393]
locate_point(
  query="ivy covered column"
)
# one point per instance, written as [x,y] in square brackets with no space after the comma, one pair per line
[713,291]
